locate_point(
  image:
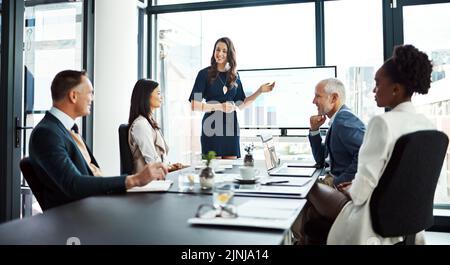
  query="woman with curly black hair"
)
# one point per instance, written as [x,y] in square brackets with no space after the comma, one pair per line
[347,210]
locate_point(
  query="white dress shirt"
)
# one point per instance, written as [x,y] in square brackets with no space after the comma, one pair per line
[65,119]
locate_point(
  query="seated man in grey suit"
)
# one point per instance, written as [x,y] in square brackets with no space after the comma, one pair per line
[62,162]
[344,136]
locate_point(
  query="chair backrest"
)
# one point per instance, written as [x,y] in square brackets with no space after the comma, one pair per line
[402,203]
[33,181]
[126,158]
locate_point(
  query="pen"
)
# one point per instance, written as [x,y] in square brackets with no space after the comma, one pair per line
[277,182]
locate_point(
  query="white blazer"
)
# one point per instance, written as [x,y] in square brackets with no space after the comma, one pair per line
[147,144]
[353,224]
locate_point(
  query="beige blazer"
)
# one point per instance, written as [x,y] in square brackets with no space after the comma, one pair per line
[353,224]
[147,144]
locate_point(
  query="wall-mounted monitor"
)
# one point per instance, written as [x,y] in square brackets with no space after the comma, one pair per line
[289,105]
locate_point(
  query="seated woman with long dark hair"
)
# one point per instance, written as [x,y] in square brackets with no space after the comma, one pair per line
[347,210]
[146,141]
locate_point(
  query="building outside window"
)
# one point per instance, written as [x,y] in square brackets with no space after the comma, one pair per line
[357,50]
[431,34]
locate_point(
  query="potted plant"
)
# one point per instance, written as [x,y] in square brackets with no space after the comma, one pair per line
[207,173]
[248,159]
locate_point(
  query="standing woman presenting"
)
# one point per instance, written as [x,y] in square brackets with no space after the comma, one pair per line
[219,85]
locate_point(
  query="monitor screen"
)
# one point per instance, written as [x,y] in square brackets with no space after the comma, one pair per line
[289,105]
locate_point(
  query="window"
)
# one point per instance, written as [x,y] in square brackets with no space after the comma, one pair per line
[354,42]
[142,36]
[431,34]
[52,42]
[185,45]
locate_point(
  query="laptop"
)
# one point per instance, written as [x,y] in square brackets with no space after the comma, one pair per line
[273,163]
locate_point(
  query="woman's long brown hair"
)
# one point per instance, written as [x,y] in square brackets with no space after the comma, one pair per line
[140,101]
[213,73]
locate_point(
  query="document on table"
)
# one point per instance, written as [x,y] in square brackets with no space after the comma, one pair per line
[153,186]
[259,213]
[272,190]
[217,178]
[293,171]
[304,163]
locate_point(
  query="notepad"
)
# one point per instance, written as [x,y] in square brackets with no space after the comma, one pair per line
[306,163]
[154,186]
[272,190]
[259,213]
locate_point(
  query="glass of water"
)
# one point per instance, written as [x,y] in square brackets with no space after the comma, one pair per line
[186,181]
[223,195]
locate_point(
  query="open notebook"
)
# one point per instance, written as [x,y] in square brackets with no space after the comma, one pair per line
[154,186]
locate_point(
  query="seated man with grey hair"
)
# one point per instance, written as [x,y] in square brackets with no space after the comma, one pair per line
[341,146]
[344,136]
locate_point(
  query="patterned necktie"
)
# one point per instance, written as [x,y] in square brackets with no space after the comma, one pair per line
[84,151]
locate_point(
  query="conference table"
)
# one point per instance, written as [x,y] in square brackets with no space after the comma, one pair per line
[236,164]
[142,218]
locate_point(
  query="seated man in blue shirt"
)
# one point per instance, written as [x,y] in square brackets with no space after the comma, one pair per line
[344,136]
[61,161]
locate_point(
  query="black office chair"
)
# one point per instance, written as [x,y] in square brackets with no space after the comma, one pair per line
[126,158]
[35,184]
[402,202]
